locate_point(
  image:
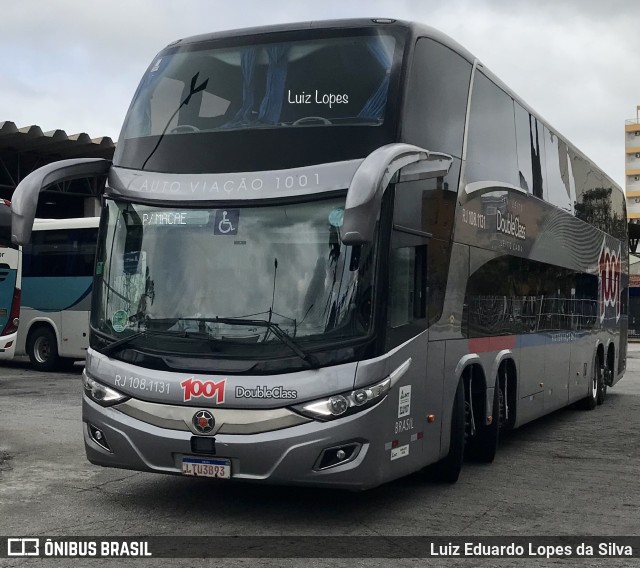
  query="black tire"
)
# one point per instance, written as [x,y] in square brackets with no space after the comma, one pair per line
[591,400]
[602,387]
[484,445]
[42,349]
[448,469]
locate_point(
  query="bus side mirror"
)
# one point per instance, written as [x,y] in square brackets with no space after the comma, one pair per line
[5,223]
[387,164]
[25,197]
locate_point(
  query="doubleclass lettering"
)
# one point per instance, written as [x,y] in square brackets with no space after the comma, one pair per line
[510,225]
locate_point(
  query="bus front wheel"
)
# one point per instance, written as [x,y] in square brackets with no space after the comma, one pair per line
[595,388]
[448,469]
[483,446]
[605,380]
[42,349]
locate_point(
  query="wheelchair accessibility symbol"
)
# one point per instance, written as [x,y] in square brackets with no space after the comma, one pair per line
[226,222]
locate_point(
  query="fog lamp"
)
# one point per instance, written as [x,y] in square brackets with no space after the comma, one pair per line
[360,397]
[338,405]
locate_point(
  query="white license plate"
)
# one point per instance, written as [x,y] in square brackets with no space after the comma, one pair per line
[199,467]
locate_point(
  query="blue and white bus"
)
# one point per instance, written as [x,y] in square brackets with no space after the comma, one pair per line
[335,253]
[57,269]
[9,295]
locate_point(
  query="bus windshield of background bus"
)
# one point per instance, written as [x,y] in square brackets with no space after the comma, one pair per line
[175,270]
[311,83]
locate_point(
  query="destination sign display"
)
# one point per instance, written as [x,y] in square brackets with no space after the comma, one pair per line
[175,217]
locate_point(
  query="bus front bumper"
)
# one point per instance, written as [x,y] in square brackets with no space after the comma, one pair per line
[8,346]
[289,456]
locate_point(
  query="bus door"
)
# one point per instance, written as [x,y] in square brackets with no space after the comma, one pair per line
[9,284]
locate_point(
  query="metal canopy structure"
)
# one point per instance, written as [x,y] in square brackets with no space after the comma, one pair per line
[23,150]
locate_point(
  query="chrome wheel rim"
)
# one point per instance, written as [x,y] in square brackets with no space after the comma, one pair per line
[42,349]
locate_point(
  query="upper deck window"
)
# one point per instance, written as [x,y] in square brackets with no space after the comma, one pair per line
[199,92]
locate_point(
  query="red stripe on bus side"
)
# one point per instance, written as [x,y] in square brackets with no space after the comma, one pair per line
[484,344]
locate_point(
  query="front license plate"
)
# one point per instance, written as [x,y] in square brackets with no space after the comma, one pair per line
[198,467]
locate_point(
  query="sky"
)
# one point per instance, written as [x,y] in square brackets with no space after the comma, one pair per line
[75,64]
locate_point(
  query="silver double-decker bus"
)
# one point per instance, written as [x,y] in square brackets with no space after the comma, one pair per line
[336,253]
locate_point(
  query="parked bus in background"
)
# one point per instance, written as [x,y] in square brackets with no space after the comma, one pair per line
[9,292]
[335,253]
[57,278]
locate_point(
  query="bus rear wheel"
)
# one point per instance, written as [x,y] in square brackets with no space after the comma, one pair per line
[42,349]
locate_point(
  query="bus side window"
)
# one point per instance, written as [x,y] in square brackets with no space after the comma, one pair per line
[437,99]
[407,291]
[85,254]
[560,186]
[422,219]
[407,285]
[530,148]
[491,145]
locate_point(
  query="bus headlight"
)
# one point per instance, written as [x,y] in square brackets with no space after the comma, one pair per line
[102,394]
[340,405]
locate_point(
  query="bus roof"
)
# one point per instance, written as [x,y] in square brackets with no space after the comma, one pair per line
[415,29]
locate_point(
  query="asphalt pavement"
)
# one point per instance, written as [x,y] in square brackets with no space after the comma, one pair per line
[570,473]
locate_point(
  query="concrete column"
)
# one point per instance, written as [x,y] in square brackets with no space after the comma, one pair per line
[91,207]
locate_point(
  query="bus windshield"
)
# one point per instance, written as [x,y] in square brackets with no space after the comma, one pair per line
[195,93]
[199,273]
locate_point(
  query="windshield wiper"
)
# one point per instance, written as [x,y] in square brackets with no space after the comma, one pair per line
[144,332]
[280,333]
[192,91]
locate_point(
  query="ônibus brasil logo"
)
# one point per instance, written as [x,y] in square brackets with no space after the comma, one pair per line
[609,276]
[194,388]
